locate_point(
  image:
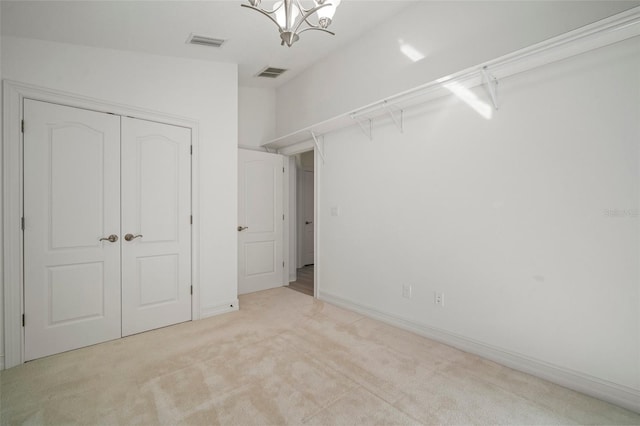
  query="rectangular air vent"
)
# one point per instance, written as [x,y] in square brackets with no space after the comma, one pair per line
[271,72]
[205,41]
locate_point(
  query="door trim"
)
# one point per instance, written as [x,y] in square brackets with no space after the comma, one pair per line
[14,94]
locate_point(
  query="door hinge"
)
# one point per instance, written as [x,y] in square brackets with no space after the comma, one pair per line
[283,264]
[191,290]
[191,149]
[282,217]
[23,321]
[22,126]
[191,220]
[283,170]
[22,223]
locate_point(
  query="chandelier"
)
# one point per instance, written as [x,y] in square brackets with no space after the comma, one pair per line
[292,19]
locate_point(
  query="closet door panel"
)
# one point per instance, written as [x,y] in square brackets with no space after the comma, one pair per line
[71,205]
[156,211]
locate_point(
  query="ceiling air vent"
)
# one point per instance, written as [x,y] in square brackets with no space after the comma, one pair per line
[205,41]
[271,72]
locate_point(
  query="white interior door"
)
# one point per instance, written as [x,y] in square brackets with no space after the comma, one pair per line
[156,225]
[71,203]
[307,218]
[260,221]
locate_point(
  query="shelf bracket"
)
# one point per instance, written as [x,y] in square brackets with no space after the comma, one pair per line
[399,121]
[368,132]
[491,82]
[317,144]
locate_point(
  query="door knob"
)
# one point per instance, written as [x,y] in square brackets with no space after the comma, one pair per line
[308,223]
[242,228]
[130,237]
[111,238]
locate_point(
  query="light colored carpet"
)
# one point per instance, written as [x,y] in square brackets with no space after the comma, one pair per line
[285,358]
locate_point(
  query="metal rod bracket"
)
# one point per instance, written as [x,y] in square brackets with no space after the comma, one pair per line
[491,82]
[317,144]
[367,128]
[399,121]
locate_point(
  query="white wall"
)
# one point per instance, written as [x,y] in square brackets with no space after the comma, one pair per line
[452,36]
[527,222]
[256,116]
[200,90]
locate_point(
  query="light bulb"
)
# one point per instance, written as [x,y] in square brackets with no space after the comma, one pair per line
[281,16]
[329,10]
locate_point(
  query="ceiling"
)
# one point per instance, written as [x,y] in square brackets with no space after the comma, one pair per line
[162,28]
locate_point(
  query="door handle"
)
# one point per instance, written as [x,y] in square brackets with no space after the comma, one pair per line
[308,223]
[111,238]
[242,228]
[130,237]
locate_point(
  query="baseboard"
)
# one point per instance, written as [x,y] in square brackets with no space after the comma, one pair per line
[293,277]
[623,396]
[210,311]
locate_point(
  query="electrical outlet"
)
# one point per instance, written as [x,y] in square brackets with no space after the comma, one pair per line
[406,291]
[438,299]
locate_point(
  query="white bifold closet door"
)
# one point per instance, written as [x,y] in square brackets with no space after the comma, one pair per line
[84,282]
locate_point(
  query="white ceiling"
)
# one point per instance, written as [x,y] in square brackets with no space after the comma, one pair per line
[162,27]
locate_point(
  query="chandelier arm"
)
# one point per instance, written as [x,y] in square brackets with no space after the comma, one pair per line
[317,29]
[305,17]
[314,8]
[267,14]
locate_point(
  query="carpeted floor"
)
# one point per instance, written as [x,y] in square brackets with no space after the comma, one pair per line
[285,358]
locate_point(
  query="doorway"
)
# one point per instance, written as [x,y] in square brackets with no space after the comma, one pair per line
[305,227]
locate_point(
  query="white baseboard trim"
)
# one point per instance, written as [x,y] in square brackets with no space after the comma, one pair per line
[623,396]
[210,311]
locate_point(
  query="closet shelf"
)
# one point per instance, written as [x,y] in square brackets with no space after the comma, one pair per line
[599,34]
